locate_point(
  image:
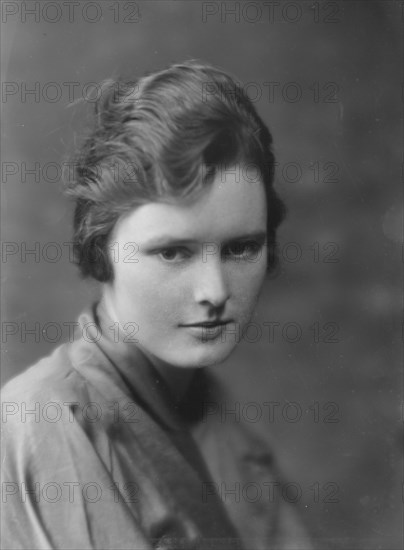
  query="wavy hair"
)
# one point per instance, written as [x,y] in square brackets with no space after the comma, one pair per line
[163,137]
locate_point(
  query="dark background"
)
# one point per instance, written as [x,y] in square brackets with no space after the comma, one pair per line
[339,147]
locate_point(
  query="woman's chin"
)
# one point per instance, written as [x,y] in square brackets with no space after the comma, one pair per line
[203,356]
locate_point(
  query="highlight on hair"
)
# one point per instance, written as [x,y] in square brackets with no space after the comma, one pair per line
[163,137]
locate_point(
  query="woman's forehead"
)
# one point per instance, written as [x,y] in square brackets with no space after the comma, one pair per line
[230,205]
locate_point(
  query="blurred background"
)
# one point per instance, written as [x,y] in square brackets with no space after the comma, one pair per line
[326,77]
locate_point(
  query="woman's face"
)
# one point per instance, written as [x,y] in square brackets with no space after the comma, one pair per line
[187,275]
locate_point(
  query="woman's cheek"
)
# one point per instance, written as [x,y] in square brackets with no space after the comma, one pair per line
[250,281]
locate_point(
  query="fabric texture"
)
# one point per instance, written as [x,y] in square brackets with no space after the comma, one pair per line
[97,455]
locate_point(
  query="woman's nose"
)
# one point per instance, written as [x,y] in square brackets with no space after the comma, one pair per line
[210,285]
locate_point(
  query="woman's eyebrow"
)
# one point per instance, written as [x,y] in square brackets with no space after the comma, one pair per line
[167,241]
[253,235]
[178,241]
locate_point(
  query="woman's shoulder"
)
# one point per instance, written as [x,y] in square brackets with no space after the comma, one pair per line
[50,377]
[68,391]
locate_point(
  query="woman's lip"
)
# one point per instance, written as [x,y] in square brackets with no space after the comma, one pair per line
[207,332]
[207,324]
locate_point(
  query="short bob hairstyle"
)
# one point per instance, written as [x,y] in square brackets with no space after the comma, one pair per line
[162,138]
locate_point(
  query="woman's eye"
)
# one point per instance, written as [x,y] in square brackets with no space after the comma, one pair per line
[173,254]
[246,249]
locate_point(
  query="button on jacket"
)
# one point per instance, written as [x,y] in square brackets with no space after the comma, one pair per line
[98,455]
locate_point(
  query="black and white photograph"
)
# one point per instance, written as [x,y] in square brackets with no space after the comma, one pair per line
[202,275]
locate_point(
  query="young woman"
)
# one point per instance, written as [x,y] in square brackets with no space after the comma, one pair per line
[120,445]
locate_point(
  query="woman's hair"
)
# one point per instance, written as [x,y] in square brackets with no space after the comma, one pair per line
[161,138]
